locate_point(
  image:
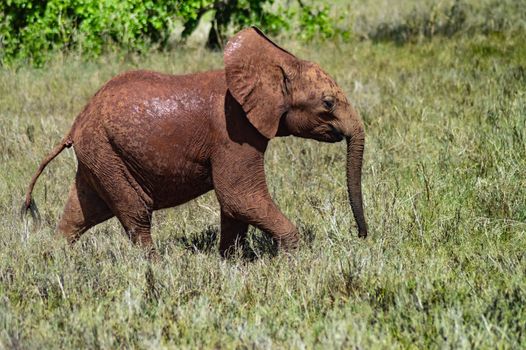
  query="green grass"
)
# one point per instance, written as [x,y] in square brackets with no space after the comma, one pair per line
[445,199]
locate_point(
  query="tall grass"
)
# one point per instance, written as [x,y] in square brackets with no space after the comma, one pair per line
[444,194]
[415,20]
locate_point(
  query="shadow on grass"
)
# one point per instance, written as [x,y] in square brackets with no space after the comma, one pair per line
[257,245]
[201,242]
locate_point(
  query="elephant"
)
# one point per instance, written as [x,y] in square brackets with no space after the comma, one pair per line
[147,141]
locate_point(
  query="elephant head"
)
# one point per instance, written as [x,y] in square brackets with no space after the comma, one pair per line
[284,95]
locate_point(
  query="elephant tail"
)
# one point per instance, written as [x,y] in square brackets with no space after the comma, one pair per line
[29,204]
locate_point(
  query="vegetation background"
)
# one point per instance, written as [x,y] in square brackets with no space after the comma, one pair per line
[441,86]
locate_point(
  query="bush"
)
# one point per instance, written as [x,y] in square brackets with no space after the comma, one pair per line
[31,28]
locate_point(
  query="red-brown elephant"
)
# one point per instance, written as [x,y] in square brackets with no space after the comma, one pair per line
[148,141]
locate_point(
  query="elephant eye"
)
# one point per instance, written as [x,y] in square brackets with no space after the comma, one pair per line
[328,103]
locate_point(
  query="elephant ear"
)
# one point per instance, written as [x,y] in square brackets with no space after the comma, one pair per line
[258,74]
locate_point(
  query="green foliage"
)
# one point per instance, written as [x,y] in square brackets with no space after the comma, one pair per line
[315,22]
[307,21]
[245,13]
[30,29]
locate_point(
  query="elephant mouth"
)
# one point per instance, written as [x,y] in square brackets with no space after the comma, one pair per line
[335,134]
[324,133]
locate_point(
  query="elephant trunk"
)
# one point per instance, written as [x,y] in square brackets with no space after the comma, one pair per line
[355,148]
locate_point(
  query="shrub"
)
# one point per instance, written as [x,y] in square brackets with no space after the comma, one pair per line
[31,28]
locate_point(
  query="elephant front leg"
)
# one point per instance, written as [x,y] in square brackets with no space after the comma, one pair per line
[233,232]
[266,216]
[243,195]
[259,211]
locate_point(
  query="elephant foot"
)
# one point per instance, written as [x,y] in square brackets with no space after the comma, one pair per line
[288,242]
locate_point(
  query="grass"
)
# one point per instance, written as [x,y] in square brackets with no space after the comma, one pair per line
[445,198]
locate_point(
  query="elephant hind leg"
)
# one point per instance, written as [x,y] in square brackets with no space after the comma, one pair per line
[127,200]
[84,209]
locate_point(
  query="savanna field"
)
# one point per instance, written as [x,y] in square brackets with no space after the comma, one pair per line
[445,199]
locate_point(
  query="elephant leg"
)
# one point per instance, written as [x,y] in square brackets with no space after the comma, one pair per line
[84,209]
[232,233]
[133,213]
[263,213]
[242,192]
[127,200]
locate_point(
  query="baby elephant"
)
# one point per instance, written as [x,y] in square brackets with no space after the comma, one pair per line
[148,141]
